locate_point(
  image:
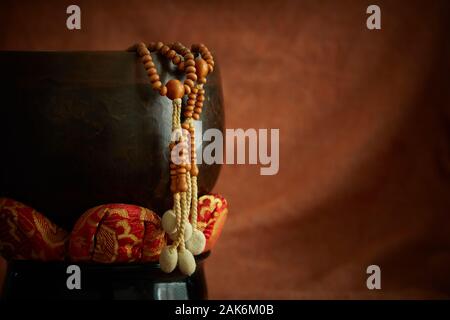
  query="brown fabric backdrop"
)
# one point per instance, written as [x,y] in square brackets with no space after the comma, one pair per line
[364,134]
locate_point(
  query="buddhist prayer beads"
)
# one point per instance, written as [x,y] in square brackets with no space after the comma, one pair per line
[196,63]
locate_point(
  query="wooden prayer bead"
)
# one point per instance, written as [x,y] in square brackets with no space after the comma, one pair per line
[173,184]
[182,184]
[150,65]
[151,72]
[176,59]
[194,170]
[146,59]
[156,85]
[202,68]
[189,69]
[175,89]
[187,89]
[159,45]
[164,49]
[191,76]
[142,50]
[163,90]
[170,54]
[188,56]
[201,97]
[199,104]
[154,78]
[189,63]
[189,82]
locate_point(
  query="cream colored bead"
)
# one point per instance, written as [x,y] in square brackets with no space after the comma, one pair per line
[186,262]
[168,259]
[196,244]
[169,222]
[187,233]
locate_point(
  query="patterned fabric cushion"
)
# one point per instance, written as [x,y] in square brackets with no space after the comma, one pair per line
[104,234]
[27,234]
[212,213]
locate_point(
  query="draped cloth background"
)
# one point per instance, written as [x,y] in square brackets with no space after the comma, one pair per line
[364,134]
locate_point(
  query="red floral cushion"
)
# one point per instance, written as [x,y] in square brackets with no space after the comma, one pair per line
[212,213]
[104,234]
[27,234]
[117,233]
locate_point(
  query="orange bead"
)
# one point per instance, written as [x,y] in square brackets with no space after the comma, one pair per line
[189,82]
[181,183]
[163,91]
[192,76]
[189,69]
[151,72]
[194,168]
[146,58]
[154,77]
[189,63]
[176,59]
[171,54]
[156,85]
[164,49]
[175,89]
[187,89]
[201,67]
[173,184]
[149,65]
[181,170]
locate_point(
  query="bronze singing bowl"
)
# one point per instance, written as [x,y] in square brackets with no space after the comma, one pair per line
[80,129]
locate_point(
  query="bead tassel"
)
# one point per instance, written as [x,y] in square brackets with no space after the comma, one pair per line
[196,63]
